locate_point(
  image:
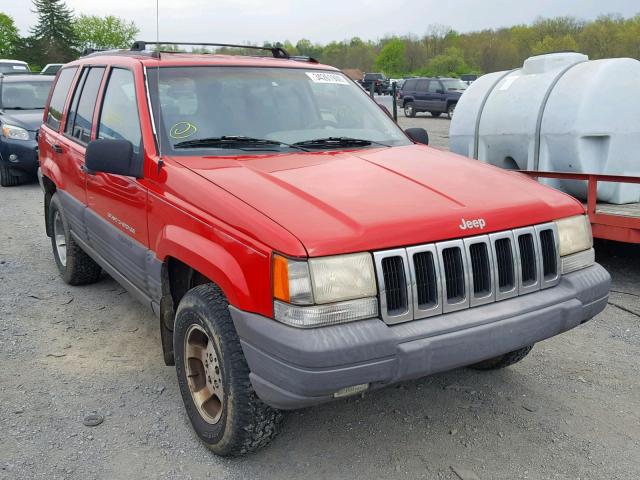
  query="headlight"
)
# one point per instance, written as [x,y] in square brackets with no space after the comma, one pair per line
[576,243]
[14,133]
[324,291]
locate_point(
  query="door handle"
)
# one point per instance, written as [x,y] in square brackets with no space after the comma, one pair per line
[57,148]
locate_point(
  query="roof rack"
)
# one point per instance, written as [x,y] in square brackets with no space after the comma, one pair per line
[277,52]
[303,58]
[90,50]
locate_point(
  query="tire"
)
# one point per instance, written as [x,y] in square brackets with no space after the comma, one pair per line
[409,111]
[230,420]
[7,179]
[450,109]
[502,361]
[435,114]
[74,265]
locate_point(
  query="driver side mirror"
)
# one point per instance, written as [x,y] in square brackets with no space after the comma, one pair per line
[439,91]
[418,135]
[112,156]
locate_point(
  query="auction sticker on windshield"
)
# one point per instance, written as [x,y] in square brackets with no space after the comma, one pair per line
[324,77]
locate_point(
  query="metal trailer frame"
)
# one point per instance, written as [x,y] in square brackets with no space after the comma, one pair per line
[611,222]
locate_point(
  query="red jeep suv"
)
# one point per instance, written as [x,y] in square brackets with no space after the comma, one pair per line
[295,244]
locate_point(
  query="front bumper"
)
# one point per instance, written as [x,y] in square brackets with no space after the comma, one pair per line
[26,153]
[293,368]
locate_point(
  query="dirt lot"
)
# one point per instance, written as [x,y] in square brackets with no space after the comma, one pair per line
[568,411]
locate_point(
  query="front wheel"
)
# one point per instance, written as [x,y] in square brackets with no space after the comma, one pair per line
[213,376]
[409,111]
[435,114]
[503,361]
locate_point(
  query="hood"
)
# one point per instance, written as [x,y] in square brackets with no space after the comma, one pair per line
[27,119]
[372,199]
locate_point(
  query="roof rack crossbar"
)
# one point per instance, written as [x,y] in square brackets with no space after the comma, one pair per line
[277,52]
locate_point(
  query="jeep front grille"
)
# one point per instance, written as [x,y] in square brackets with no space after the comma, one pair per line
[395,281]
[443,277]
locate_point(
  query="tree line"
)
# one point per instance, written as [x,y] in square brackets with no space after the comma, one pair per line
[59,36]
[443,51]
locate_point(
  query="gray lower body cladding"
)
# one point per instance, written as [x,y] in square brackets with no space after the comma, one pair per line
[293,368]
[132,264]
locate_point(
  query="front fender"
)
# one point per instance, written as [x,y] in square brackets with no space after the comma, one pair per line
[223,260]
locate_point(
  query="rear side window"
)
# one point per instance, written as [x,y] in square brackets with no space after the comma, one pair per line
[421,85]
[409,85]
[80,116]
[59,97]
[119,116]
[434,86]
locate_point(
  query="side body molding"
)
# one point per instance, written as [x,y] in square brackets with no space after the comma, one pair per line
[132,264]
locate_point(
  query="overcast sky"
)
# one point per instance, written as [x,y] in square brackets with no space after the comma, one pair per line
[320,21]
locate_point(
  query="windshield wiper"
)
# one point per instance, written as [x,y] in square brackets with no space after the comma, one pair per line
[233,141]
[338,142]
[23,108]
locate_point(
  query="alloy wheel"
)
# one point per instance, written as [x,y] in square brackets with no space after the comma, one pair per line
[204,374]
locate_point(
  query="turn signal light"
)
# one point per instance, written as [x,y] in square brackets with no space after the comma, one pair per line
[281,279]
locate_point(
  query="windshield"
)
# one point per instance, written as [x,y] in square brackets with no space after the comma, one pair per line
[7,67]
[27,95]
[286,105]
[454,84]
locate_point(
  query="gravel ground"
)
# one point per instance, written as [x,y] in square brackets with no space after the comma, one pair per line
[568,411]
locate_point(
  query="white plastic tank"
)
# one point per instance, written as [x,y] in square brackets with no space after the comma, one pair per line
[559,112]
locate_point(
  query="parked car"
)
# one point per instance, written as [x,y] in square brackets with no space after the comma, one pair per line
[51,68]
[13,66]
[296,246]
[398,81]
[433,95]
[22,99]
[379,80]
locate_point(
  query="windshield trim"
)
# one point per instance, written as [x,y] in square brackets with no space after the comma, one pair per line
[164,147]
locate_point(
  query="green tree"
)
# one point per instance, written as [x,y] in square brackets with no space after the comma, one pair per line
[54,32]
[335,53]
[451,62]
[600,39]
[104,32]
[391,59]
[306,48]
[629,38]
[9,36]
[550,44]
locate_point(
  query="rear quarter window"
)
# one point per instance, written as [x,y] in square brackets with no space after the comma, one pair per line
[59,97]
